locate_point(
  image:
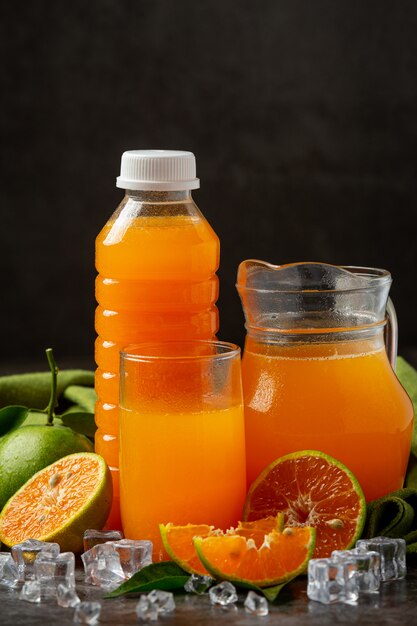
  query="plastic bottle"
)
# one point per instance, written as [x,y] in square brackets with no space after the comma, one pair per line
[156,259]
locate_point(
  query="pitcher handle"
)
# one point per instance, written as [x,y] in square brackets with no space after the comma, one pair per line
[391,334]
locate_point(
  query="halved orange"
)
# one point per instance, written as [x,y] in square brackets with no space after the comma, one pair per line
[281,557]
[60,502]
[311,489]
[178,540]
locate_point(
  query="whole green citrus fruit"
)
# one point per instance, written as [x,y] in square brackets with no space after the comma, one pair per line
[27,450]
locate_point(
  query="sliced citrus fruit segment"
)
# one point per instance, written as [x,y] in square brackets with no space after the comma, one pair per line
[178,540]
[311,489]
[60,502]
[281,557]
[257,529]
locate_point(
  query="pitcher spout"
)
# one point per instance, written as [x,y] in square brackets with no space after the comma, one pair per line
[306,296]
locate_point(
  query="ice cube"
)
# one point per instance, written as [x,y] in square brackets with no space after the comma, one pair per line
[392,553]
[146,610]
[89,560]
[95,537]
[331,580]
[368,568]
[108,572]
[66,596]
[26,553]
[256,604]
[10,576]
[102,567]
[31,591]
[87,612]
[4,556]
[133,554]
[51,571]
[198,584]
[224,594]
[108,579]
[163,600]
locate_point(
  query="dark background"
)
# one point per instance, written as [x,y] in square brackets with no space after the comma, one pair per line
[302,116]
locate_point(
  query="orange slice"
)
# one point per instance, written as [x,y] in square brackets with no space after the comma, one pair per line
[311,489]
[281,557]
[257,529]
[178,540]
[59,503]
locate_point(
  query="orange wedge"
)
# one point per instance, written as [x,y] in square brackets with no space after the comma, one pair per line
[178,540]
[281,557]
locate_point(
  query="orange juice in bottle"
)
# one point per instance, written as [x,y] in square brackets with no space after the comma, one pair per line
[156,259]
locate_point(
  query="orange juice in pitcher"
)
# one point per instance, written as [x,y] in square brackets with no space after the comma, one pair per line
[157,258]
[316,373]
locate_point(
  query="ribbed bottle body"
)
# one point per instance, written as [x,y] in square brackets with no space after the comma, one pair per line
[156,260]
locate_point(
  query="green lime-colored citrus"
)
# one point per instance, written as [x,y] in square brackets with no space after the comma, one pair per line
[25,451]
[60,502]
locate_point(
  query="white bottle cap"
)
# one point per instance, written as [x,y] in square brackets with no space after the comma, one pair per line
[158,170]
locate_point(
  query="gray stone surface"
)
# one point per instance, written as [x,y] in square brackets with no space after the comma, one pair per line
[395,604]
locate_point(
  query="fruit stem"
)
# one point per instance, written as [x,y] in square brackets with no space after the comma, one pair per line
[53,402]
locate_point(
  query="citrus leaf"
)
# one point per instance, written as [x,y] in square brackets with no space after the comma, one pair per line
[75,408]
[35,418]
[81,422]
[407,376]
[167,576]
[34,389]
[270,593]
[84,397]
[12,417]
[411,477]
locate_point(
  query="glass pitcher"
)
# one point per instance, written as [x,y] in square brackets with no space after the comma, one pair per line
[318,370]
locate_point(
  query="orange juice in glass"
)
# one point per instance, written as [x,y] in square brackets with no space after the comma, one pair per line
[182,443]
[316,374]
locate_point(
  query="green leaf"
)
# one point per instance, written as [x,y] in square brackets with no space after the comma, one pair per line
[12,417]
[408,378]
[36,418]
[81,422]
[34,389]
[84,397]
[75,408]
[167,576]
[270,593]
[411,476]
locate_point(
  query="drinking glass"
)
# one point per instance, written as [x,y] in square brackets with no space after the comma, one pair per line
[182,443]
